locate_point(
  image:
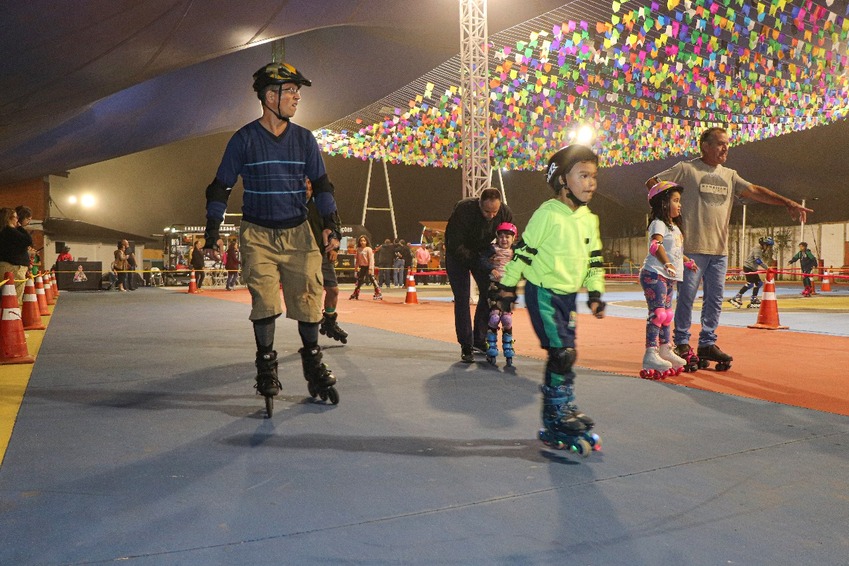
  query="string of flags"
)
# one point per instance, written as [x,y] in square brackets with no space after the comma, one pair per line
[648,79]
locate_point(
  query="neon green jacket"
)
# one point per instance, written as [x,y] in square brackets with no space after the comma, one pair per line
[560,250]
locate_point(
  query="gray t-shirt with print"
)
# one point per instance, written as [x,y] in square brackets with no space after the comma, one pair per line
[705,203]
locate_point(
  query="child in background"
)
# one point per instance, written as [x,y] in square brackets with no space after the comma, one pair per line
[559,254]
[751,266]
[808,263]
[663,265]
[365,270]
[500,311]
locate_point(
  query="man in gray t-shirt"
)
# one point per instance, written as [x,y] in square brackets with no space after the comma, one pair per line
[706,213]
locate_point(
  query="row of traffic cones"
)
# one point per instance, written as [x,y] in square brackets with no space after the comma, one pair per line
[15,319]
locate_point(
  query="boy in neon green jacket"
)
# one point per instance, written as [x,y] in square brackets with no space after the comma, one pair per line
[559,254]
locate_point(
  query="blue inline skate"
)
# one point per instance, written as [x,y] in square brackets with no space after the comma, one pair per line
[492,346]
[565,427]
[507,346]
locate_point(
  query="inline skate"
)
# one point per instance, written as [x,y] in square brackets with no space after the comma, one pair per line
[686,353]
[492,346]
[755,303]
[564,426]
[712,353]
[507,345]
[736,301]
[331,329]
[655,367]
[320,380]
[267,383]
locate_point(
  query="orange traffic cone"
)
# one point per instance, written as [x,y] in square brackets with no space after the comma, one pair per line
[29,308]
[55,284]
[48,289]
[193,286]
[13,341]
[768,313]
[411,298]
[39,295]
[826,281]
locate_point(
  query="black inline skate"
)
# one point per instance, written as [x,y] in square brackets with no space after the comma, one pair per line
[565,427]
[712,353]
[267,383]
[320,380]
[331,329]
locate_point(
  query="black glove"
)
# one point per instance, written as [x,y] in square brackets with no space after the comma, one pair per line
[595,298]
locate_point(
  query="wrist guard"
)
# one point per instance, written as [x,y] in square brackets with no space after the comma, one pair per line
[595,298]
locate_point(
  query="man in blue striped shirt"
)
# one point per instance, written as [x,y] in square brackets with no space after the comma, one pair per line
[274,156]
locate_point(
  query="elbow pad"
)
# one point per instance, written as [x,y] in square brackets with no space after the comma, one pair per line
[653,246]
[217,195]
[323,193]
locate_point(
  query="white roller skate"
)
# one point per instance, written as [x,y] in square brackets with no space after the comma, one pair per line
[736,301]
[667,352]
[655,367]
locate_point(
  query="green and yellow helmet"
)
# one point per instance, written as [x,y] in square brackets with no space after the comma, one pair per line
[278,74]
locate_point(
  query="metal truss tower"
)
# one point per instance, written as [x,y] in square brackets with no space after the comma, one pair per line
[474,83]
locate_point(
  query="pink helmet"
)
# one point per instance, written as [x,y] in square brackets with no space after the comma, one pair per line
[507,227]
[662,186]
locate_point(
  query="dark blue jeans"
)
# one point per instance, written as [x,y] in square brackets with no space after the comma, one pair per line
[458,278]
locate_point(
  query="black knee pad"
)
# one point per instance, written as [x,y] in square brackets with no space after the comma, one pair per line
[560,360]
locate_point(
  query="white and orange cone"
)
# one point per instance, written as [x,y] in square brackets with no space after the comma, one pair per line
[13,341]
[768,313]
[411,298]
[30,314]
[48,289]
[55,285]
[39,295]
[193,286]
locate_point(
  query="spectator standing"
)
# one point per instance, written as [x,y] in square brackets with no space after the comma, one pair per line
[131,281]
[65,255]
[384,257]
[232,263]
[119,267]
[710,187]
[422,260]
[398,264]
[198,263]
[471,229]
[15,242]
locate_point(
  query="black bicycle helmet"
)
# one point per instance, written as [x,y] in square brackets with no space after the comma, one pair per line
[562,162]
[278,74]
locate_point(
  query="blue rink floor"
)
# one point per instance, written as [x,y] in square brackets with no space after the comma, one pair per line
[140,441]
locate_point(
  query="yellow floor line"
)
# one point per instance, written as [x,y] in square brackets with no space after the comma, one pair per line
[14,379]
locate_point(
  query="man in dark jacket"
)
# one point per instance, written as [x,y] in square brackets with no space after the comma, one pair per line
[470,230]
[384,257]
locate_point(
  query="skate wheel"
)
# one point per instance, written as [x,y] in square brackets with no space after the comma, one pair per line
[333,395]
[343,340]
[582,448]
[703,364]
[595,442]
[312,389]
[323,394]
[509,362]
[491,359]
[679,370]
[644,374]
[269,406]
[721,366]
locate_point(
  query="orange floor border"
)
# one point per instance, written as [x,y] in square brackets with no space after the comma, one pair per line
[781,366]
